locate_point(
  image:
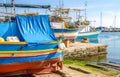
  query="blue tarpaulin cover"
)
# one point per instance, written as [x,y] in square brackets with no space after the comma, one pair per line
[3,28]
[10,29]
[35,29]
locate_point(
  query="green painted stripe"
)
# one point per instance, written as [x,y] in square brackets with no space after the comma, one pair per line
[28,51]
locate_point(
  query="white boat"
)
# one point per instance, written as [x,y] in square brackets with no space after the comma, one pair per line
[61,28]
[91,35]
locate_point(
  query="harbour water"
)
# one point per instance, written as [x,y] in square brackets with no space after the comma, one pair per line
[112,39]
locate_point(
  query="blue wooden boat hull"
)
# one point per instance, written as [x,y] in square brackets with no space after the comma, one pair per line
[90,35]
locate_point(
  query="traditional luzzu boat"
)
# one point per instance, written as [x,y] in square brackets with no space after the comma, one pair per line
[29,46]
[61,28]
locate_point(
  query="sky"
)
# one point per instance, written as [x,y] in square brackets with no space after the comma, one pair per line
[109,9]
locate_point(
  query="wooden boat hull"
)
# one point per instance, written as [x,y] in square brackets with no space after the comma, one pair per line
[31,67]
[89,35]
[30,61]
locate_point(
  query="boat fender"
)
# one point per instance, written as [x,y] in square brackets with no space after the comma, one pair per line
[61,45]
[85,40]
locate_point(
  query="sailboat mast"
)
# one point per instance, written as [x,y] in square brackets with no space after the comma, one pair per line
[115,22]
[101,19]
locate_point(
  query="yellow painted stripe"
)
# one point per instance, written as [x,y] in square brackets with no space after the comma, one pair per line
[7,42]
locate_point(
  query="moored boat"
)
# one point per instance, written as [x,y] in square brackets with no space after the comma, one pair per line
[91,35]
[62,28]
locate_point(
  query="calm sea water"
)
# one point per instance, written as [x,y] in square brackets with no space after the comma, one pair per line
[113,49]
[112,39]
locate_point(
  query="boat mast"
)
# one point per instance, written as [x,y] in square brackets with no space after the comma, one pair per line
[87,28]
[114,23]
[61,4]
[85,10]
[60,11]
[12,3]
[4,2]
[101,21]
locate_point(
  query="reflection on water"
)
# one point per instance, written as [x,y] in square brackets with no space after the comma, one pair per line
[94,40]
[97,58]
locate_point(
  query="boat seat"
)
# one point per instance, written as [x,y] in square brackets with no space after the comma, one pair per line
[12,39]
